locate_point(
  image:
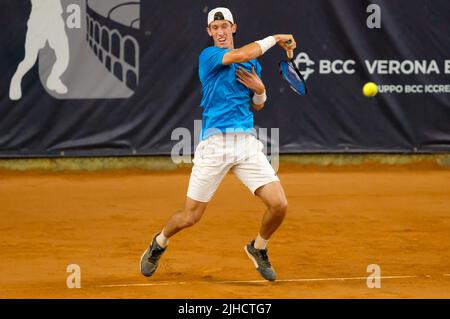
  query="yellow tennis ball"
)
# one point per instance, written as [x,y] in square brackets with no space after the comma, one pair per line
[370,89]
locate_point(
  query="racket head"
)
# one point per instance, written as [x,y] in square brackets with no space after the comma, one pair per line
[293,77]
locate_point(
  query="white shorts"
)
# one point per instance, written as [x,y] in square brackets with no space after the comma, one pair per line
[215,156]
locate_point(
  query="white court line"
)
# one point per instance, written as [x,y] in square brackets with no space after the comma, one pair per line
[316,279]
[216,282]
[136,285]
[253,281]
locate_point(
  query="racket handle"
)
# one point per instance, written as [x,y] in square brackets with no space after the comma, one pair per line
[290,54]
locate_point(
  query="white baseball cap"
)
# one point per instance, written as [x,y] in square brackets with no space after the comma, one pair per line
[220,14]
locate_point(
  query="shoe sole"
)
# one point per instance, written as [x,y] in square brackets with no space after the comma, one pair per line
[255,263]
[251,256]
[140,264]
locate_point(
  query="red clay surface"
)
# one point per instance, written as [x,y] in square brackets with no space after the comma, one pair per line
[340,220]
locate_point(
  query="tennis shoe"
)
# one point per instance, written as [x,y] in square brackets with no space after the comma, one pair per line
[150,258]
[261,261]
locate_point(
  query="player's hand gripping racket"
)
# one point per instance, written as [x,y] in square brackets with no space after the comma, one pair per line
[291,74]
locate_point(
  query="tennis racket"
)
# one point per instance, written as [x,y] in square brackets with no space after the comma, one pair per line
[291,74]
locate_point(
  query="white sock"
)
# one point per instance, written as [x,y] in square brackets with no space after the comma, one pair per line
[260,243]
[162,240]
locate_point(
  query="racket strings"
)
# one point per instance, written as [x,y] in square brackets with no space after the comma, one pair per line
[293,77]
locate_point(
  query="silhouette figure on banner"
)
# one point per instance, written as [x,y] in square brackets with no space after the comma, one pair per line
[45,24]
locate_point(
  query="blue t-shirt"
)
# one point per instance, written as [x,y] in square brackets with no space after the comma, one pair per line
[225,101]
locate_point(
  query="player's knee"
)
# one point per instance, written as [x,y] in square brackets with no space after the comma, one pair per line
[279,207]
[187,221]
[190,219]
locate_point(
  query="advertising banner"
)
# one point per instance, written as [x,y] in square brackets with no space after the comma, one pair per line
[119,77]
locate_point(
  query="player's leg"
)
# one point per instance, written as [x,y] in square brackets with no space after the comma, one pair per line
[207,174]
[274,198]
[190,215]
[255,171]
[208,171]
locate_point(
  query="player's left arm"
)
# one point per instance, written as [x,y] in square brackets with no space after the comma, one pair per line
[253,82]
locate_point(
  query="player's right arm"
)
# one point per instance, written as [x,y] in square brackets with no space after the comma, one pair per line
[256,49]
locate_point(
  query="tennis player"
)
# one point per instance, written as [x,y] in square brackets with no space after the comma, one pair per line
[231,85]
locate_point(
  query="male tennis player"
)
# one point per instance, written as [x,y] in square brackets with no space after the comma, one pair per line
[231,83]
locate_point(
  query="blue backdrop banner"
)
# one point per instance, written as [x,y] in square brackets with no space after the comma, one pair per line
[120,77]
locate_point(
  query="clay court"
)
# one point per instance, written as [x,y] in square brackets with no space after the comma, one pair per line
[340,220]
